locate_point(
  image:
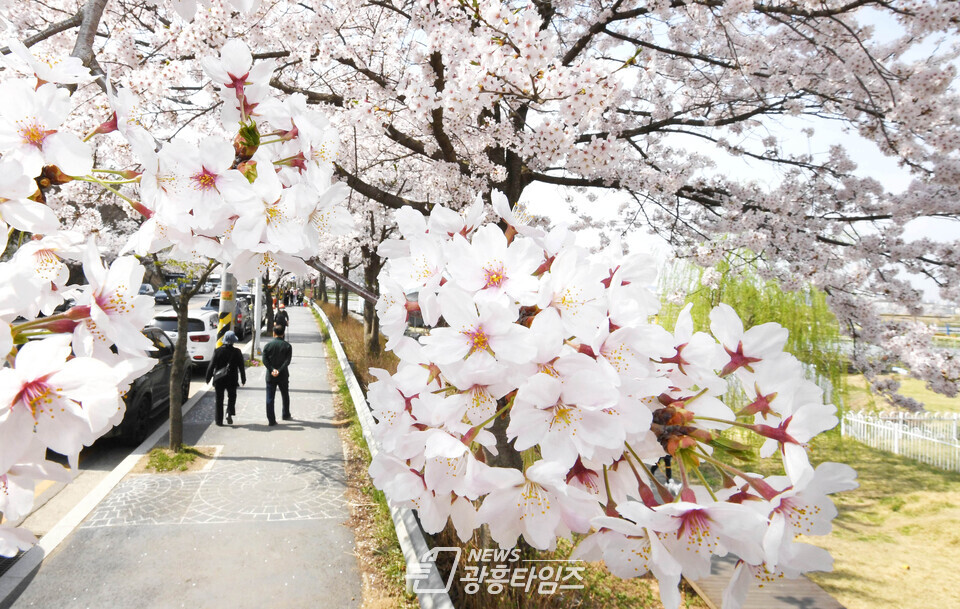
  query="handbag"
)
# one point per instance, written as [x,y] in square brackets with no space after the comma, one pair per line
[220,373]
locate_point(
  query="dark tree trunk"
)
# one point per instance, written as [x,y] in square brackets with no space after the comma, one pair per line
[371,324]
[323,289]
[179,368]
[180,365]
[345,295]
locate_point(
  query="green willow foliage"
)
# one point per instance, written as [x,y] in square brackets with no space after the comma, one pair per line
[814,332]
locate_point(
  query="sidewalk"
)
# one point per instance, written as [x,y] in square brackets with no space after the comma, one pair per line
[262,527]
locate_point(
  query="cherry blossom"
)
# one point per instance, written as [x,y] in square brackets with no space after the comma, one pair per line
[236,71]
[51,68]
[588,406]
[50,396]
[30,132]
[117,311]
[489,267]
[476,329]
[16,209]
[538,505]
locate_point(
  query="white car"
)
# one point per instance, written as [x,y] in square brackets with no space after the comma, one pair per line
[201,333]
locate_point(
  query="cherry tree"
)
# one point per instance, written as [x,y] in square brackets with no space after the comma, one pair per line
[445,99]
[211,146]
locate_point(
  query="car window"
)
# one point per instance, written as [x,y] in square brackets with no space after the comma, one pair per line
[160,341]
[169,324]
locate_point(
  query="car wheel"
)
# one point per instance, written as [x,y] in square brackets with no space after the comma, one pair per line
[137,422]
[185,390]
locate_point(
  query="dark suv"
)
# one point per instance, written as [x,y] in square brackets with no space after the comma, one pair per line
[242,318]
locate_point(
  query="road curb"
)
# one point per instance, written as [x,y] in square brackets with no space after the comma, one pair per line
[412,542]
[19,575]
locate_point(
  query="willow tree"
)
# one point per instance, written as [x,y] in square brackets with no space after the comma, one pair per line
[815,336]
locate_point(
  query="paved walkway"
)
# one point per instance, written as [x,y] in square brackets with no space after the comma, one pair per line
[781,594]
[262,527]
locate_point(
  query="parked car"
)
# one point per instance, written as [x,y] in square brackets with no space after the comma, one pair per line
[250,298]
[208,288]
[201,333]
[165,293]
[149,395]
[147,289]
[242,318]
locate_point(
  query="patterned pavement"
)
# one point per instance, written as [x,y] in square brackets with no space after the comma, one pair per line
[229,492]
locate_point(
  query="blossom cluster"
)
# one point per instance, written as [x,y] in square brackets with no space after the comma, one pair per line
[461,97]
[543,396]
[71,351]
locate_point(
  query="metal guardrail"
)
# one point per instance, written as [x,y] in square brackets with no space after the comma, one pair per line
[413,544]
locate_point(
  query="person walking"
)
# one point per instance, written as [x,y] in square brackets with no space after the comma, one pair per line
[282,318]
[225,366]
[277,355]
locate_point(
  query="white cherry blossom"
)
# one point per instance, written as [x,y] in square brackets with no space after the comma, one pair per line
[30,122]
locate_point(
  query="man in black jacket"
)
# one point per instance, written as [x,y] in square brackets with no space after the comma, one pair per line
[281,319]
[277,355]
[229,358]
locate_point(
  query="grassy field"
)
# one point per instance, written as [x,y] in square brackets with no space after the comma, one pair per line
[895,542]
[858,397]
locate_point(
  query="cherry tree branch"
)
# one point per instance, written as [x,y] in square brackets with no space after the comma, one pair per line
[380,196]
[92,12]
[363,293]
[51,31]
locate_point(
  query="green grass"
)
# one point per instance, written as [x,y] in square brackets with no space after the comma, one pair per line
[895,542]
[857,396]
[164,460]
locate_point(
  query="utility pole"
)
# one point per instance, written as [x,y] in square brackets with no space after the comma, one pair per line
[228,288]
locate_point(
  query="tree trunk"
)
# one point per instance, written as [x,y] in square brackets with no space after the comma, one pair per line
[179,368]
[345,295]
[371,324]
[373,339]
[323,289]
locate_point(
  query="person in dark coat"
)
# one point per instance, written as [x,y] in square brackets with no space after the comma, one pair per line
[229,357]
[277,355]
[282,318]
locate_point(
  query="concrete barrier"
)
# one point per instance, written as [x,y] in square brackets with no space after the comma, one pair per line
[413,544]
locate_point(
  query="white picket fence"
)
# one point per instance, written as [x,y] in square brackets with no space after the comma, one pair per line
[929,437]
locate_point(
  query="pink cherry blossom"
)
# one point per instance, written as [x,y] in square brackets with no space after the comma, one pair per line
[476,328]
[537,504]
[117,311]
